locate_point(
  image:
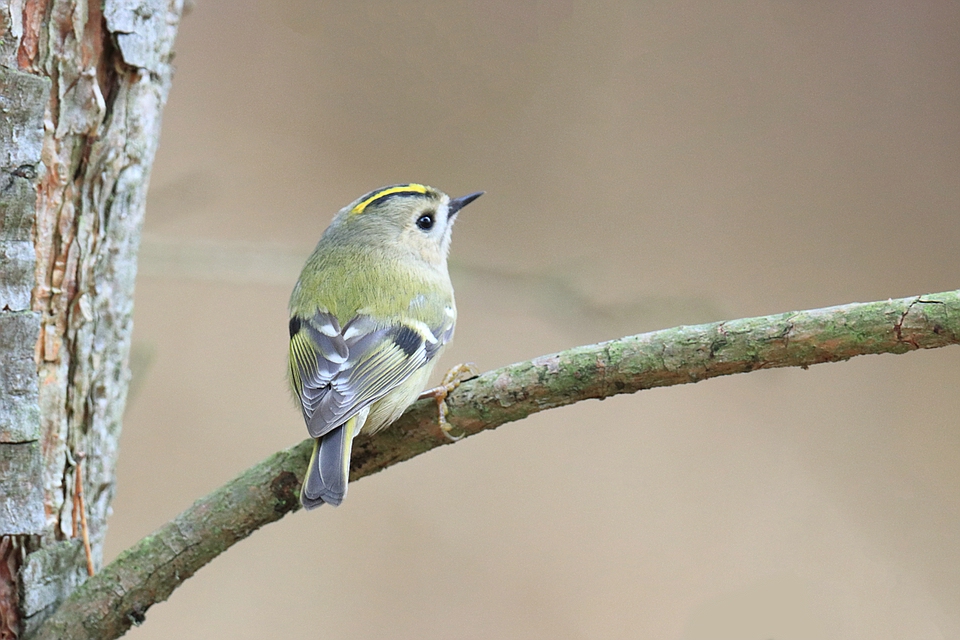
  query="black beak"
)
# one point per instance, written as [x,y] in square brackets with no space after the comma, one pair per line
[460,203]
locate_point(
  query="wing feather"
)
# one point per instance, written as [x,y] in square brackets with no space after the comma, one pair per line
[337,372]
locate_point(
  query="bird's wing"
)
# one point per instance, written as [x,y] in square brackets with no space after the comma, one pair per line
[337,371]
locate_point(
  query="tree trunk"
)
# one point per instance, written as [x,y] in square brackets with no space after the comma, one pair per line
[82,87]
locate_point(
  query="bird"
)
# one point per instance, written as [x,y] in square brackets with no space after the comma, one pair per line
[371,313]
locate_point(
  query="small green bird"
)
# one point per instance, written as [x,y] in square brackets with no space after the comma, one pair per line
[369,317]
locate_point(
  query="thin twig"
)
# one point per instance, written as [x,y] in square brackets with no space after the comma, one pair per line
[75,516]
[147,573]
[81,507]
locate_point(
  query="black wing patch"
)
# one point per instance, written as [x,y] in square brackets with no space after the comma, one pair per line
[408,340]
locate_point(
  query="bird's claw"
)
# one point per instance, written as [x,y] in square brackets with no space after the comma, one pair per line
[451,380]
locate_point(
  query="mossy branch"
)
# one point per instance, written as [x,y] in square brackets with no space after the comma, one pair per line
[107,604]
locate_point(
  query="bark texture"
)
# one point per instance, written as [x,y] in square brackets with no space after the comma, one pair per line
[82,87]
[108,604]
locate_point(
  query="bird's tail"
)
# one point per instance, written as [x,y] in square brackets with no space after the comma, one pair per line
[329,469]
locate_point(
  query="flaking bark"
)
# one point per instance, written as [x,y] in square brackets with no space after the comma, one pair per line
[82,86]
[108,604]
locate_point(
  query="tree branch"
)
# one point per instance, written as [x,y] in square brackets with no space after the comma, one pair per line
[107,604]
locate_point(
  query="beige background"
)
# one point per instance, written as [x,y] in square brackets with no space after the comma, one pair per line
[646,164]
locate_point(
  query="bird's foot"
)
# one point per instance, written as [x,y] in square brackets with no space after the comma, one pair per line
[451,380]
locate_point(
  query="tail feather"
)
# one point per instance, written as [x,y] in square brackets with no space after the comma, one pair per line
[329,470]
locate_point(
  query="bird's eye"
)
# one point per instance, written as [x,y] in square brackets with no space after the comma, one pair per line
[425,222]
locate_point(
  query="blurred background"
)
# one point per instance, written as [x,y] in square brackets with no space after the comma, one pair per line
[646,165]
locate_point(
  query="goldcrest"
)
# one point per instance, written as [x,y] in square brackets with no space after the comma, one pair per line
[369,317]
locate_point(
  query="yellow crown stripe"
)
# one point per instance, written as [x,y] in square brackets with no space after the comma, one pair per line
[403,188]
